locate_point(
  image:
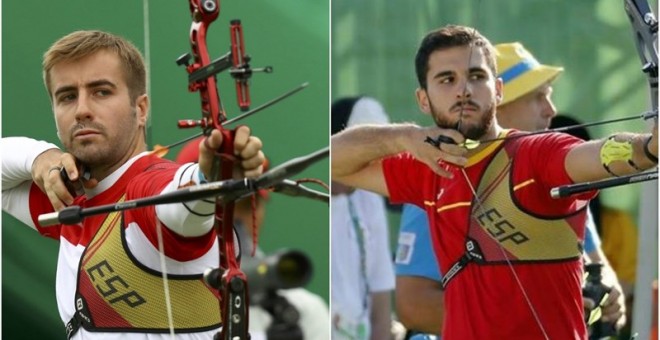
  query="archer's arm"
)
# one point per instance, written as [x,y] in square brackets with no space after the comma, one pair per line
[25,162]
[357,152]
[18,157]
[192,219]
[584,163]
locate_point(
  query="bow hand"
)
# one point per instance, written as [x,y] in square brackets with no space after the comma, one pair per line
[246,149]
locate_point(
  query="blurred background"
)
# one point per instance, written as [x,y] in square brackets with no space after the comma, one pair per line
[291,36]
[374,45]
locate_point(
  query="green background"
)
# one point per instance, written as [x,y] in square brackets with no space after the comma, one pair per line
[292,36]
[374,45]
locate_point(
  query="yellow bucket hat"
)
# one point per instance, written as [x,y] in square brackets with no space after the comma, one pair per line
[520,71]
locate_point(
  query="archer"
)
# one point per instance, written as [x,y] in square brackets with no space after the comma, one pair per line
[510,252]
[109,276]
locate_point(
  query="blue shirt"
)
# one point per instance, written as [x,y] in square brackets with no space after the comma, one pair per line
[414,253]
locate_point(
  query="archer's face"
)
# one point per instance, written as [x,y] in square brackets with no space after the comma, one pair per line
[455,85]
[531,112]
[95,118]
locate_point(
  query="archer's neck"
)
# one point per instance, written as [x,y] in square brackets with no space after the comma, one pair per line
[493,132]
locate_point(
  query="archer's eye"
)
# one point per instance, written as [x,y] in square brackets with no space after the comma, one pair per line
[446,80]
[66,98]
[103,92]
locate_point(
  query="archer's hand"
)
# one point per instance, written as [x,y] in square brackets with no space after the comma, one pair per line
[434,156]
[247,150]
[46,174]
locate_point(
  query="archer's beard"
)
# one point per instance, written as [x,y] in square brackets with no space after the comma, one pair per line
[92,154]
[105,149]
[468,130]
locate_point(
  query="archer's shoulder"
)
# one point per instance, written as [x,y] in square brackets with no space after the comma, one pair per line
[551,139]
[151,162]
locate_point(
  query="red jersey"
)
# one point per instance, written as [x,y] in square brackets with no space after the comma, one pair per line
[486,301]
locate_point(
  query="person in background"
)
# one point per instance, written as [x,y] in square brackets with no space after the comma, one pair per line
[362,274]
[526,105]
[312,311]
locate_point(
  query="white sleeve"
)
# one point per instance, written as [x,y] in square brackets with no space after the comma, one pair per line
[380,268]
[18,154]
[189,219]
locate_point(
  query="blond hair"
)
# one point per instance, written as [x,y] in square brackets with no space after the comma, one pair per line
[80,44]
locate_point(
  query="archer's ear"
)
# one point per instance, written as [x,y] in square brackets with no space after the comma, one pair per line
[142,109]
[423,100]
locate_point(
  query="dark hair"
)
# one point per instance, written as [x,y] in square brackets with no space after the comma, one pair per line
[447,37]
[341,112]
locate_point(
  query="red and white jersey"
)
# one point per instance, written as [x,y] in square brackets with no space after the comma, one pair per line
[190,245]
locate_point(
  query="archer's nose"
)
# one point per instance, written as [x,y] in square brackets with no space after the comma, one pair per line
[465,92]
[83,108]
